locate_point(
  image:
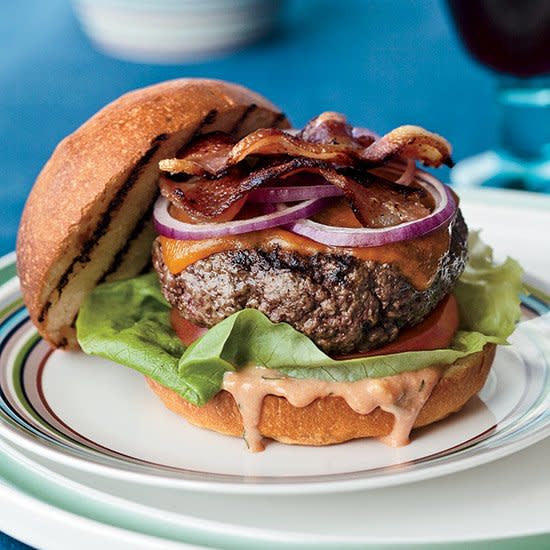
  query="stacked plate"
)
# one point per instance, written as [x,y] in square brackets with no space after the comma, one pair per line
[92,457]
[173,31]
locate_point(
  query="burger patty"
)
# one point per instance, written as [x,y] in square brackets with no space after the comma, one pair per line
[342,303]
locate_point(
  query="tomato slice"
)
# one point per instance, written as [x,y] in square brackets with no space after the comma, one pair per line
[436,331]
[186,331]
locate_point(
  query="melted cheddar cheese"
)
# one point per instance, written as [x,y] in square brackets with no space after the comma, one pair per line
[417,259]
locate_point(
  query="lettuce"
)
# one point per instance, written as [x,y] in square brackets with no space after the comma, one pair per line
[488,294]
[128,322]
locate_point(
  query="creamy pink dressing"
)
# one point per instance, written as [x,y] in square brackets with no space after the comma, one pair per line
[403,396]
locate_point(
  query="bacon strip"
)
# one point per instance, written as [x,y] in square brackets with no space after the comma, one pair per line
[376,202]
[364,136]
[410,142]
[210,197]
[271,141]
[406,141]
[330,128]
[206,154]
[327,146]
[326,138]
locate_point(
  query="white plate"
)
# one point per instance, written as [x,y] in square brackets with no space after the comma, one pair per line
[96,416]
[31,512]
[503,505]
[474,509]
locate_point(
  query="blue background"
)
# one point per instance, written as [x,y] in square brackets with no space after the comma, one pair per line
[382,62]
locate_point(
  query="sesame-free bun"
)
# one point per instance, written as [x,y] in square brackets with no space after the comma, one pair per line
[88,217]
[329,419]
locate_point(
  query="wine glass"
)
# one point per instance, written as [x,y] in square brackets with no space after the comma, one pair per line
[512,37]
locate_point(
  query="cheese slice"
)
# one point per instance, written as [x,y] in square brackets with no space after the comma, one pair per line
[417,259]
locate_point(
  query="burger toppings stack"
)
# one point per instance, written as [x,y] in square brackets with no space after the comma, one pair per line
[308,286]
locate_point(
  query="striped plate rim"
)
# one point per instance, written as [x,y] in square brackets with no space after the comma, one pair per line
[24,424]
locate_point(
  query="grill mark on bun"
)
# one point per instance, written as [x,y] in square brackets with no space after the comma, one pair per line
[55,281]
[102,227]
[279,117]
[148,267]
[44,311]
[105,221]
[210,118]
[241,120]
[135,233]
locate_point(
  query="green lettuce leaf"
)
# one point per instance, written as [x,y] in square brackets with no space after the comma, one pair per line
[128,322]
[488,294]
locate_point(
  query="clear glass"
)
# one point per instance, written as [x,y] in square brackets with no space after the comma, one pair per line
[512,37]
[522,160]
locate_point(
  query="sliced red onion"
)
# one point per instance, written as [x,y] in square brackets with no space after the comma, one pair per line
[407,177]
[445,209]
[168,226]
[293,193]
[359,133]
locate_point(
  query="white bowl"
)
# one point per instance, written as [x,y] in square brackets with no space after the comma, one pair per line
[173,31]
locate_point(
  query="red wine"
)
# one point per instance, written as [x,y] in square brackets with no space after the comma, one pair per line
[510,36]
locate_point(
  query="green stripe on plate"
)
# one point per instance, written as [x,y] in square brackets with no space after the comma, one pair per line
[7,272]
[48,429]
[16,379]
[9,308]
[538,293]
[24,477]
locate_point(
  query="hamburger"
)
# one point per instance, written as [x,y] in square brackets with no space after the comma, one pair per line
[309,286]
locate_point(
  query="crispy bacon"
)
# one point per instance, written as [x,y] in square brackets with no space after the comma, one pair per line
[364,136]
[346,150]
[206,154]
[328,146]
[410,142]
[376,202]
[332,127]
[210,197]
[271,141]
[326,138]
[329,128]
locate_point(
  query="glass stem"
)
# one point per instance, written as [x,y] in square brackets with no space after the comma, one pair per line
[524,116]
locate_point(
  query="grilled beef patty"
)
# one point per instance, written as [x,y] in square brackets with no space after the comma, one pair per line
[342,303]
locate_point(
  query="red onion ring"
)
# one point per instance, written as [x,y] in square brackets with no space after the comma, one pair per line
[444,211]
[407,177]
[293,194]
[168,226]
[365,133]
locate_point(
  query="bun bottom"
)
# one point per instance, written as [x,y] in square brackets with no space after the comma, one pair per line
[329,419]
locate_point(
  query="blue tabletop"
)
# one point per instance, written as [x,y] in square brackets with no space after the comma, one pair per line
[382,62]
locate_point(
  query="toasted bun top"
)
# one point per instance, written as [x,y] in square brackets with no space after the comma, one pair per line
[87,218]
